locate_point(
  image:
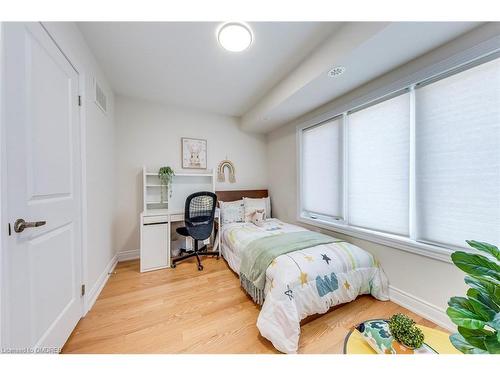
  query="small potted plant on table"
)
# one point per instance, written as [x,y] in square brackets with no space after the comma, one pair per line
[405,331]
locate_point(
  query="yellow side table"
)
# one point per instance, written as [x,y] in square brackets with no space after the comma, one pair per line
[437,340]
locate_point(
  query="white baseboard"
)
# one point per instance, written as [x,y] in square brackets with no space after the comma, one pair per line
[99,284]
[423,308]
[128,255]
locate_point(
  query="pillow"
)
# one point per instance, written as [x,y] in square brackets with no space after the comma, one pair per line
[268,207]
[377,334]
[252,204]
[257,217]
[232,212]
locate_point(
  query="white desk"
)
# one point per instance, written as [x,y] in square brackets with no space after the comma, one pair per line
[155,227]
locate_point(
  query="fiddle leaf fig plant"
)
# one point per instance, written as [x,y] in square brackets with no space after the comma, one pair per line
[478,314]
[165,174]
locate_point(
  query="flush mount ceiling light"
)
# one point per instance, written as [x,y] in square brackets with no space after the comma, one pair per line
[235,36]
[336,71]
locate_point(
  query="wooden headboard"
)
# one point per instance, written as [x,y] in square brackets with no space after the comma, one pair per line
[234,195]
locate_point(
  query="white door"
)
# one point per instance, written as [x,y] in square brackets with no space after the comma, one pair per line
[43,283]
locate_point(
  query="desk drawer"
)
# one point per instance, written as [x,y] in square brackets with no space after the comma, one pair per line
[155,219]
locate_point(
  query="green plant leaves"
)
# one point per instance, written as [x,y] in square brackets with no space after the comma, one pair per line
[483,298]
[165,175]
[478,316]
[461,344]
[476,265]
[460,302]
[475,337]
[485,247]
[492,344]
[482,310]
[495,324]
[485,286]
[465,318]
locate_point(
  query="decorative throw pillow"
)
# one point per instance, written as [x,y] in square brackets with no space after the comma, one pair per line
[377,334]
[232,212]
[254,204]
[258,217]
[268,207]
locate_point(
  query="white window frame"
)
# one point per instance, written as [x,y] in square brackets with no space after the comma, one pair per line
[477,55]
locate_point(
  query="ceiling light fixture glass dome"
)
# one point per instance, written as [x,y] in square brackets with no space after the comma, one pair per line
[235,36]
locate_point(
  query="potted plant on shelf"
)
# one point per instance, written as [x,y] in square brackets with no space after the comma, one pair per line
[477,315]
[165,174]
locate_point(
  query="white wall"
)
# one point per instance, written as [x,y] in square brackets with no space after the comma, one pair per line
[98,139]
[150,134]
[422,283]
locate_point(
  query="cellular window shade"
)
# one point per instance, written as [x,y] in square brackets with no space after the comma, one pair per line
[322,169]
[458,157]
[378,166]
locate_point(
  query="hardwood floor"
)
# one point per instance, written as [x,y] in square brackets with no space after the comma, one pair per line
[183,310]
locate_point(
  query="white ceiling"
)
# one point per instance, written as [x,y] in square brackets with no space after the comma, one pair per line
[181,63]
[280,77]
[381,48]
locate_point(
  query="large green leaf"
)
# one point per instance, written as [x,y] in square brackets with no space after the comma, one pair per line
[485,247]
[461,344]
[488,280]
[475,337]
[476,265]
[461,302]
[482,310]
[495,323]
[492,344]
[465,318]
[483,298]
[485,286]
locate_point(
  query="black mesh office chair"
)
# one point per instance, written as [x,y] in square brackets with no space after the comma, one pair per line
[199,219]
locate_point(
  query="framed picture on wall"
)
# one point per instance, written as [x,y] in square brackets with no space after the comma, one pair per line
[194,153]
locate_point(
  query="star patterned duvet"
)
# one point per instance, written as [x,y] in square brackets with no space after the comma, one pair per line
[303,282]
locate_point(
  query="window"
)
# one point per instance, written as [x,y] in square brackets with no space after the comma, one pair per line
[322,169]
[378,159]
[458,157]
[421,167]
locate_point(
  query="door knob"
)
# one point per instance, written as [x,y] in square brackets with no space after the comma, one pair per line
[21,225]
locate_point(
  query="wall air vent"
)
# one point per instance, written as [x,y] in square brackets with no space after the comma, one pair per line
[100,97]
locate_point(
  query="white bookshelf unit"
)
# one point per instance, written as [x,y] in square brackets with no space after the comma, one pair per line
[183,184]
[157,217]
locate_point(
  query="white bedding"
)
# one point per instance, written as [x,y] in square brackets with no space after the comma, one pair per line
[304,282]
[235,236]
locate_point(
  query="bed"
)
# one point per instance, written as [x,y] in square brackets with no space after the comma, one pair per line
[298,283]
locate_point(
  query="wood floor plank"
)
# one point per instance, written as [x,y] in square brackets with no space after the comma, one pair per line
[183,310]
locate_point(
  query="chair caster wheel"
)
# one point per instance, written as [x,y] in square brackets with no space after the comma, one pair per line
[200,268]
[173,265]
